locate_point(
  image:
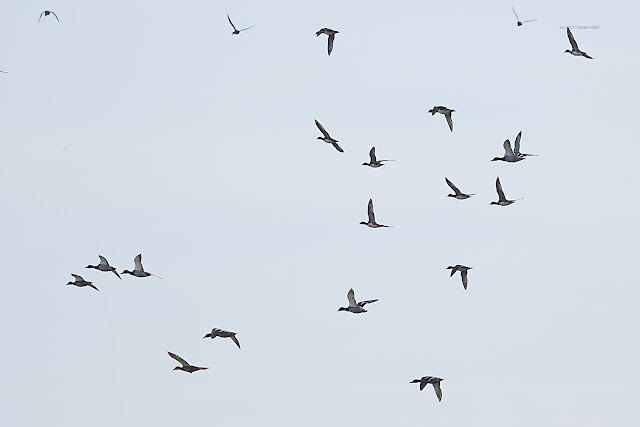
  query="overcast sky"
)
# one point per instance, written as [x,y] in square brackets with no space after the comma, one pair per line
[146,127]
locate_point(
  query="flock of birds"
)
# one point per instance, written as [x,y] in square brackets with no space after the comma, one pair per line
[511,155]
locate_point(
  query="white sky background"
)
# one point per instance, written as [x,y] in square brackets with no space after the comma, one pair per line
[146,127]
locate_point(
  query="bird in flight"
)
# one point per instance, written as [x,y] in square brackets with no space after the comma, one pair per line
[509,155]
[185,366]
[80,282]
[502,200]
[138,271]
[332,35]
[447,113]
[104,266]
[458,194]
[355,307]
[435,381]
[463,272]
[516,147]
[327,138]
[215,332]
[235,30]
[47,13]
[374,163]
[372,217]
[575,51]
[519,21]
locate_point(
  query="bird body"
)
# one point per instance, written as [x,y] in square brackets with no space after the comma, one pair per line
[138,271]
[447,113]
[104,266]
[374,163]
[215,332]
[502,200]
[185,366]
[509,155]
[435,381]
[327,138]
[80,282]
[463,273]
[332,35]
[372,217]
[458,194]
[354,306]
[575,51]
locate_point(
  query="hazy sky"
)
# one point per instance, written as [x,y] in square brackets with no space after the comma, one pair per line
[146,127]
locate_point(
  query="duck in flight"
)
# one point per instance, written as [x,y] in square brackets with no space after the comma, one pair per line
[80,282]
[215,332]
[516,147]
[509,155]
[47,13]
[502,200]
[372,217]
[374,163]
[458,194]
[447,113]
[575,51]
[332,35]
[463,272]
[235,30]
[185,366]
[435,381]
[519,21]
[355,307]
[138,271]
[104,266]
[327,138]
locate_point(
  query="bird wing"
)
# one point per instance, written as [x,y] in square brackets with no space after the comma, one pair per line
[507,148]
[337,147]
[463,273]
[91,284]
[530,20]
[323,130]
[78,278]
[116,273]
[235,340]
[372,216]
[138,261]
[103,260]
[574,45]
[234,29]
[372,154]
[514,12]
[53,13]
[499,190]
[453,187]
[41,16]
[248,27]
[423,382]
[449,120]
[351,296]
[369,301]
[453,270]
[330,45]
[516,144]
[178,358]
[436,387]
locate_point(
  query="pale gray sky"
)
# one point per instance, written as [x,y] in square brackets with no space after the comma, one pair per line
[146,127]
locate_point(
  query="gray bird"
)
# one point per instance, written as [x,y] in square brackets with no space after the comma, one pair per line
[447,113]
[575,51]
[521,22]
[463,272]
[332,35]
[235,30]
[80,282]
[185,366]
[104,266]
[47,13]
[215,332]
[327,138]
[355,307]
[138,271]
[372,217]
[374,163]
[435,381]
[502,200]
[458,194]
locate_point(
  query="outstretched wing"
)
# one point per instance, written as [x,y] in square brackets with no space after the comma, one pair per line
[351,296]
[372,216]
[41,16]
[248,27]
[574,45]
[337,147]
[372,155]
[449,120]
[516,144]
[178,358]
[234,29]
[103,260]
[53,13]
[323,130]
[507,148]
[369,301]
[453,270]
[330,45]
[138,261]
[514,12]
[499,190]
[235,340]
[453,187]
[438,390]
[78,278]
[463,273]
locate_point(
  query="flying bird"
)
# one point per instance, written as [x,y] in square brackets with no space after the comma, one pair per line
[458,194]
[138,271]
[463,272]
[374,163]
[185,366]
[80,282]
[235,30]
[215,332]
[435,381]
[521,22]
[502,200]
[47,13]
[104,266]
[355,307]
[516,147]
[332,35]
[575,51]
[3,71]
[372,218]
[327,138]
[447,113]
[509,155]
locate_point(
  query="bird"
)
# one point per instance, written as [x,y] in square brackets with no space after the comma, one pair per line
[516,147]
[3,72]
[435,381]
[575,51]
[447,113]
[372,218]
[327,138]
[502,200]
[509,155]
[459,194]
[235,30]
[463,272]
[185,366]
[80,282]
[375,163]
[521,22]
[355,307]
[104,266]
[138,271]
[215,332]
[47,13]
[332,35]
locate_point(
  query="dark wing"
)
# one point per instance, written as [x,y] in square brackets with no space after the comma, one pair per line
[372,216]
[423,382]
[322,129]
[530,20]
[248,27]
[574,45]
[337,147]
[449,120]
[235,340]
[372,154]
[438,390]
[514,12]
[463,273]
[499,190]
[53,13]
[516,145]
[41,16]
[178,358]
[330,45]
[453,270]
[369,301]
[453,187]
[234,27]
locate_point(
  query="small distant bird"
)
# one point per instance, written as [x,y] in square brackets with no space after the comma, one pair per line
[332,35]
[372,218]
[459,194]
[215,332]
[235,30]
[502,200]
[447,113]
[435,381]
[375,163]
[3,71]
[104,266]
[516,147]
[509,155]
[327,138]
[138,271]
[47,13]
[185,366]
[575,51]
[463,272]
[80,282]
[355,307]
[521,22]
